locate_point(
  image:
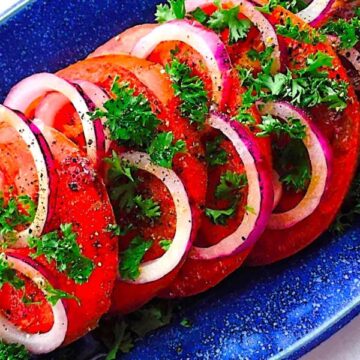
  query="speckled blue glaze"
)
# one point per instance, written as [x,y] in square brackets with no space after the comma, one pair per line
[276,312]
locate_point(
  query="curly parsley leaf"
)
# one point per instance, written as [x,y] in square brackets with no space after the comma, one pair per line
[220,216]
[229,183]
[54,295]
[8,274]
[62,248]
[131,258]
[214,153]
[292,5]
[13,352]
[118,167]
[273,126]
[293,31]
[348,31]
[163,149]
[292,163]
[222,19]
[17,211]
[148,207]
[175,9]
[190,89]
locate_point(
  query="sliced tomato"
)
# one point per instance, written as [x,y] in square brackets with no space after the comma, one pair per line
[342,132]
[142,76]
[79,196]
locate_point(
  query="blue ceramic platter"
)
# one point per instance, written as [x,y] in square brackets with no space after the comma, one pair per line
[276,312]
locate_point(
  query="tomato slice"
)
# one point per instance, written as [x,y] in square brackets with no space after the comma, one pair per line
[147,78]
[79,196]
[342,132]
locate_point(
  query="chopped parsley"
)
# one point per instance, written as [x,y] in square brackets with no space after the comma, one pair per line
[131,258]
[17,211]
[118,167]
[13,352]
[305,87]
[292,163]
[348,31]
[185,322]
[214,153]
[117,230]
[223,19]
[272,126]
[132,123]
[227,189]
[175,9]
[61,247]
[8,274]
[148,207]
[163,149]
[190,89]
[292,5]
[165,244]
[293,31]
[54,295]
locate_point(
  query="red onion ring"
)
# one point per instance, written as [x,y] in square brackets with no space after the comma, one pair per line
[44,164]
[32,88]
[35,343]
[316,11]
[203,40]
[156,269]
[260,193]
[319,154]
[267,31]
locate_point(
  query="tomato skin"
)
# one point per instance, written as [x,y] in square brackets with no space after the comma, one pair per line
[343,133]
[189,166]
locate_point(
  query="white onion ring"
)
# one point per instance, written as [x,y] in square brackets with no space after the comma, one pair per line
[259,198]
[315,11]
[35,343]
[52,103]
[203,40]
[32,88]
[319,155]
[267,31]
[44,167]
[156,269]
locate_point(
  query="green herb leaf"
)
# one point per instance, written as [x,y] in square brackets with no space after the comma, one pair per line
[8,274]
[175,9]
[54,295]
[148,207]
[117,230]
[162,149]
[131,258]
[122,341]
[17,211]
[348,31]
[272,126]
[220,217]
[13,352]
[65,251]
[129,117]
[199,15]
[215,154]
[229,18]
[293,31]
[165,244]
[185,322]
[118,167]
[230,182]
[190,89]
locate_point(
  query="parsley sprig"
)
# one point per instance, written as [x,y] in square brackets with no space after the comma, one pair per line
[228,189]
[174,9]
[190,89]
[62,247]
[273,126]
[8,275]
[292,5]
[131,258]
[214,153]
[148,208]
[13,352]
[132,123]
[348,31]
[293,31]
[16,211]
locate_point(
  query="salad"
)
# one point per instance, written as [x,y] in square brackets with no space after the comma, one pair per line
[225,134]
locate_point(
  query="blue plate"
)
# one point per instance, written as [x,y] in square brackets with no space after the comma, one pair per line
[276,312]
